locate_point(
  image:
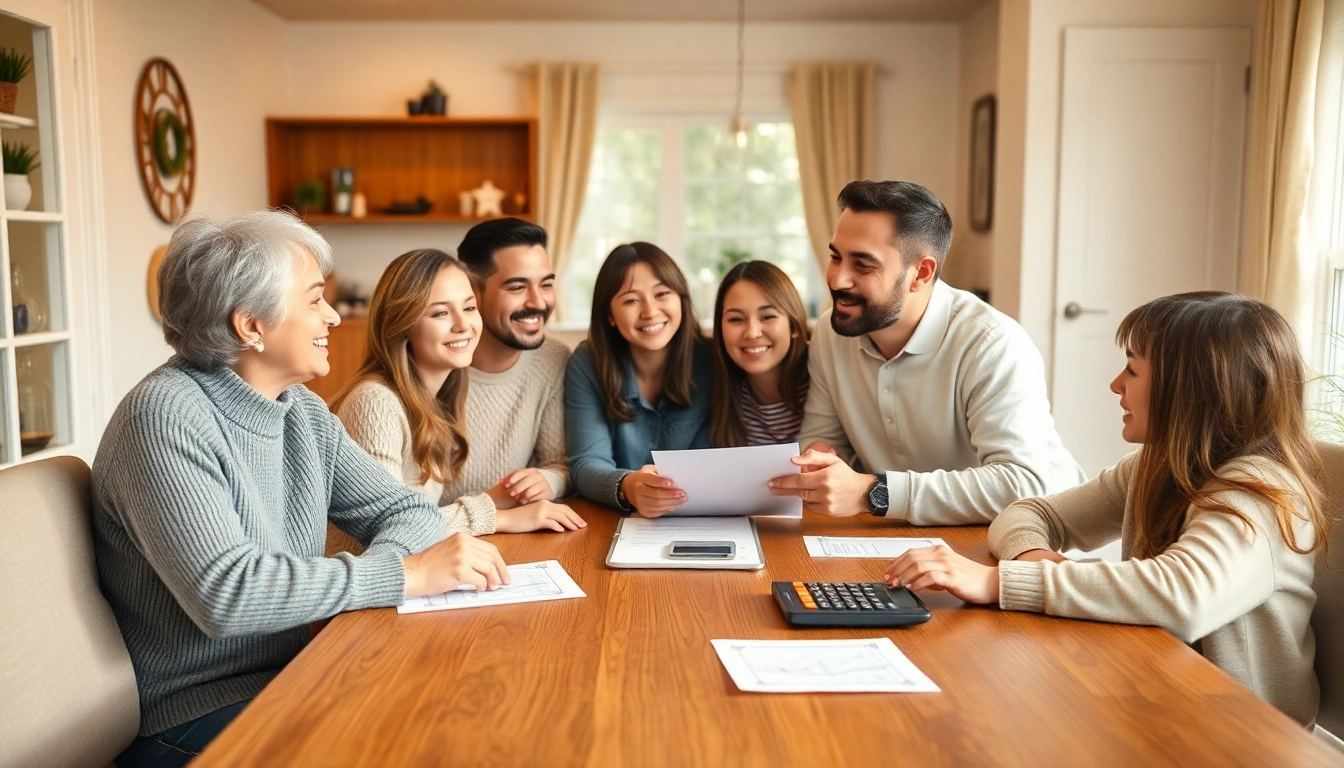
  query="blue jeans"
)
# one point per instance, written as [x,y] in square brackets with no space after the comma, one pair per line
[177,746]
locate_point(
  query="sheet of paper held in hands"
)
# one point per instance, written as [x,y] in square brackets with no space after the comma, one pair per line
[886,547]
[644,541]
[873,665]
[731,481]
[531,582]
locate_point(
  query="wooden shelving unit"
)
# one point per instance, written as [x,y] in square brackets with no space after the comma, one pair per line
[396,159]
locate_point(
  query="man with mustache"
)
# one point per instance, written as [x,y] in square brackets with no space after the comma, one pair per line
[930,388]
[515,396]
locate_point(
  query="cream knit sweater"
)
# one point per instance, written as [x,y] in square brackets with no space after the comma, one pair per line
[1245,595]
[516,419]
[374,416]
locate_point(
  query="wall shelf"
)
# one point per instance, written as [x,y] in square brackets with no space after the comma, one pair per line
[397,159]
[14,121]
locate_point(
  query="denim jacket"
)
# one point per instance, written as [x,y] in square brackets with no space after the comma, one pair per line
[601,450]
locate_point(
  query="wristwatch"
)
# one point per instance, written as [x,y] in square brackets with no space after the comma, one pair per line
[878,501]
[621,500]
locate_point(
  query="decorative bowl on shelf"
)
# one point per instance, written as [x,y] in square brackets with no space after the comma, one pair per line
[32,441]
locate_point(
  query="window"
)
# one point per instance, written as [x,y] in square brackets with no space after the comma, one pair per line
[682,183]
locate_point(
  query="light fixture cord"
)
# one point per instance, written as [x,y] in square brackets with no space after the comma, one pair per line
[741,56]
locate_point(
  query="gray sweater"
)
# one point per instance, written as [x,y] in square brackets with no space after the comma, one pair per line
[210,505]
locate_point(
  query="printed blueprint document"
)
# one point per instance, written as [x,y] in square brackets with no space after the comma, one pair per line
[885,547]
[872,665]
[531,582]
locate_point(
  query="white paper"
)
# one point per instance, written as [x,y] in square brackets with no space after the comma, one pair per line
[821,666]
[885,547]
[731,481]
[531,582]
[644,541]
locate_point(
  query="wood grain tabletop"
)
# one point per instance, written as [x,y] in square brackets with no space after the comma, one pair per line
[627,677]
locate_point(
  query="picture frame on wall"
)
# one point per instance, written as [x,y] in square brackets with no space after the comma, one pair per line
[983,115]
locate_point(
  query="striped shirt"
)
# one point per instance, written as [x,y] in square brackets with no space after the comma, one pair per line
[769,424]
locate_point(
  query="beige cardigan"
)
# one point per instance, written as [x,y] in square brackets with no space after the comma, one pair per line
[1245,595]
[374,416]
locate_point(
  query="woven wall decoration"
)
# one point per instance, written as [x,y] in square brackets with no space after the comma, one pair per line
[165,140]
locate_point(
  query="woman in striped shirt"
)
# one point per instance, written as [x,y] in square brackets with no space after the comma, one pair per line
[760,357]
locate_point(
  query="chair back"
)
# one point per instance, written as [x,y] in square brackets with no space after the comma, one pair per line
[69,695]
[1327,620]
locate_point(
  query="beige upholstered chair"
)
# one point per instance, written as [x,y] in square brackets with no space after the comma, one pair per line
[1327,621]
[67,689]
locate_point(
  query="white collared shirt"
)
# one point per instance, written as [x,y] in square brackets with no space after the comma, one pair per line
[959,420]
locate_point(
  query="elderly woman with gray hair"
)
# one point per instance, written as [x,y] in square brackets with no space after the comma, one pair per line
[216,477]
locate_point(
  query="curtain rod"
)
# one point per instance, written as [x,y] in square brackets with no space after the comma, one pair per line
[683,68]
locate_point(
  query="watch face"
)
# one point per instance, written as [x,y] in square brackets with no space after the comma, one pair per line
[877,498]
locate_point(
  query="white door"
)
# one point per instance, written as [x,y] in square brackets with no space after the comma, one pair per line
[1149,200]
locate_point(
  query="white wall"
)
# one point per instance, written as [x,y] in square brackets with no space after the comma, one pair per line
[371,68]
[971,259]
[230,55]
[1030,76]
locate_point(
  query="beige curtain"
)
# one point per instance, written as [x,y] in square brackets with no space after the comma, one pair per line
[1278,263]
[834,121]
[566,106]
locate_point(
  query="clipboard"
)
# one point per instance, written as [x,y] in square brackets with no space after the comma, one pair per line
[655,534]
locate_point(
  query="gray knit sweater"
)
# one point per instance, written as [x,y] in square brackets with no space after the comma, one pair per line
[210,505]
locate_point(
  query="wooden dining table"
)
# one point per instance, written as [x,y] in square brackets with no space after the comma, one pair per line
[627,677]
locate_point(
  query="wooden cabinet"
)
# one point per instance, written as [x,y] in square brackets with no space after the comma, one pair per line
[345,351]
[397,159]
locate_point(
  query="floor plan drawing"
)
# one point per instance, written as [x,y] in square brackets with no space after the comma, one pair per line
[530,582]
[817,666]
[866,546]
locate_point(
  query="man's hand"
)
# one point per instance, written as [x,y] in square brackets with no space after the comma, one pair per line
[538,516]
[457,560]
[827,485]
[939,568]
[822,447]
[649,494]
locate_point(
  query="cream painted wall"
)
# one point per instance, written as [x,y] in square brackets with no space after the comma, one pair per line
[971,258]
[230,55]
[370,69]
[1030,52]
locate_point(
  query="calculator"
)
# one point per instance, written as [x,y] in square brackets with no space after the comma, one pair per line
[848,604]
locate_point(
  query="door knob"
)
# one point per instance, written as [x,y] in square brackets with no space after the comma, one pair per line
[1073,309]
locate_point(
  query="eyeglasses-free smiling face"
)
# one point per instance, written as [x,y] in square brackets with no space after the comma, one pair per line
[866,274]
[446,335]
[518,297]
[756,334]
[647,313]
[1133,386]
[296,348]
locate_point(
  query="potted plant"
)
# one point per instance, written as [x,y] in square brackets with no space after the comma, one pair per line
[19,161]
[434,101]
[310,196]
[13,68]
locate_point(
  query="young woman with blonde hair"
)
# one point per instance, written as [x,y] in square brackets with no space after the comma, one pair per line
[760,357]
[405,405]
[1219,513]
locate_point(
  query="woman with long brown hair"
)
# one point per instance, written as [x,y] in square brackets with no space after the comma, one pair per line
[760,357]
[1219,513]
[405,405]
[640,383]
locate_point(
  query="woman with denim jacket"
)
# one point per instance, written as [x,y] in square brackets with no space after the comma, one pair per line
[641,383]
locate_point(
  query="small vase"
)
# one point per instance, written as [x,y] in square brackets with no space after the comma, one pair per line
[18,192]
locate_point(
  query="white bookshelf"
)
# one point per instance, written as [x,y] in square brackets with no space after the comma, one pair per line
[36,362]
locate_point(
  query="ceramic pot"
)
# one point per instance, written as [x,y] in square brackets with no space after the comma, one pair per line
[18,192]
[9,94]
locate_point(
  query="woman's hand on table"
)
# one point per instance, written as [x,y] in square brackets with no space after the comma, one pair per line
[538,516]
[939,568]
[458,560]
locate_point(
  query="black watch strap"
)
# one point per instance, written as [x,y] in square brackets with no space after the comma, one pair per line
[878,500]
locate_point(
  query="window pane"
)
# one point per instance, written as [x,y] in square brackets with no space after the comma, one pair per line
[743,204]
[621,205]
